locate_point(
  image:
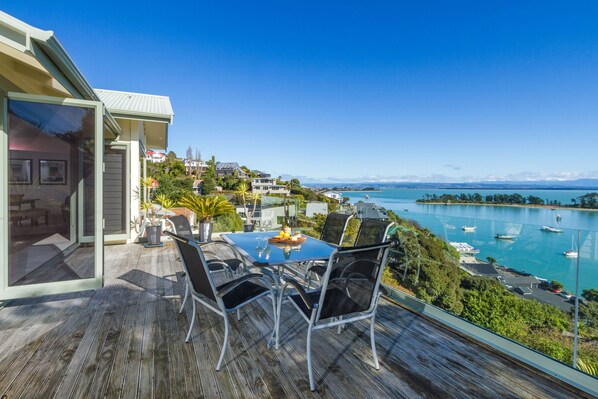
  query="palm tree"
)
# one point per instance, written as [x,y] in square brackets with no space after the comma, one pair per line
[245,194]
[207,207]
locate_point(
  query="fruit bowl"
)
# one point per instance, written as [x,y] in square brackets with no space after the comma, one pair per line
[287,240]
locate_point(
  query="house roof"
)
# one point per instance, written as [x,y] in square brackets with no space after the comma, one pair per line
[137,104]
[55,73]
[43,67]
[227,165]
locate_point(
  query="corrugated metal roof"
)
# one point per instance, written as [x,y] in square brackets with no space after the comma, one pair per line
[121,102]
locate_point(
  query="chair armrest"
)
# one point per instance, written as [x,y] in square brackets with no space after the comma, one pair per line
[235,283]
[219,262]
[301,291]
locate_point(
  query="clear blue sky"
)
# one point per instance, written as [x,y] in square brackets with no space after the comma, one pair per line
[402,90]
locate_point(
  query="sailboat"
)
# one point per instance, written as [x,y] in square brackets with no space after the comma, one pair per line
[553,229]
[469,229]
[571,253]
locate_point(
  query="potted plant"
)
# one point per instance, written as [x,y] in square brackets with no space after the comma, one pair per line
[244,193]
[154,212]
[206,208]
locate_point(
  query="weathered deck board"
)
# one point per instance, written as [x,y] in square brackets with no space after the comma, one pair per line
[127,340]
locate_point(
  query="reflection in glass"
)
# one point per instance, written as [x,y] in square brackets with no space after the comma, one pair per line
[50,153]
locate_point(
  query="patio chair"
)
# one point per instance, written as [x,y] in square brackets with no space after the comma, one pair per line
[334,228]
[371,231]
[333,232]
[231,264]
[349,295]
[223,299]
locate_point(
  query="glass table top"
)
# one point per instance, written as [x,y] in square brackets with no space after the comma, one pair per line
[255,247]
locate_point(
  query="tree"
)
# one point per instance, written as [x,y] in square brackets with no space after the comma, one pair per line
[590,294]
[171,155]
[491,259]
[208,184]
[557,285]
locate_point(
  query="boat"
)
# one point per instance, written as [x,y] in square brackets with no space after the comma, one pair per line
[571,253]
[469,229]
[464,248]
[551,229]
[504,237]
[558,218]
[367,197]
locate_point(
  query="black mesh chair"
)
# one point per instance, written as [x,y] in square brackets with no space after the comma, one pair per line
[229,260]
[224,299]
[350,294]
[372,231]
[335,227]
[333,232]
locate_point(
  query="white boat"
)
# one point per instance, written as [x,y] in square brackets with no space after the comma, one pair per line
[571,253]
[469,229]
[551,229]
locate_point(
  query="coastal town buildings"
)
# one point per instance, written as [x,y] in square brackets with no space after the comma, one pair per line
[155,156]
[268,186]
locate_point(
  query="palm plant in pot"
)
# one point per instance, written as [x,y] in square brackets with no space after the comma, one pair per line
[244,195]
[206,208]
[154,212]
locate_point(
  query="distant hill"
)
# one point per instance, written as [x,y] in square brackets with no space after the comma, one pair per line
[580,184]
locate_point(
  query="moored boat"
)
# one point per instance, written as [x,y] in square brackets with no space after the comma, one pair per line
[504,236]
[551,229]
[469,229]
[571,253]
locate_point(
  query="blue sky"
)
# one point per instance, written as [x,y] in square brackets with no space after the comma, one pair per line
[397,90]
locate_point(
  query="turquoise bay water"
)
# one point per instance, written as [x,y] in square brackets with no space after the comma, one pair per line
[533,250]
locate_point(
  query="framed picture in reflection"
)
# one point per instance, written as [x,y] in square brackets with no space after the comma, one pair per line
[20,171]
[52,172]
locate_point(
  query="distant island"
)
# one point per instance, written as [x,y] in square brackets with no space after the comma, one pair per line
[339,185]
[586,201]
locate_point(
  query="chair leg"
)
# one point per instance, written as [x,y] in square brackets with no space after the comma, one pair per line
[186,295]
[340,327]
[224,343]
[238,314]
[373,341]
[277,318]
[312,384]
[193,316]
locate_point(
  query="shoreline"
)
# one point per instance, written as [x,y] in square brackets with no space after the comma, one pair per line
[508,205]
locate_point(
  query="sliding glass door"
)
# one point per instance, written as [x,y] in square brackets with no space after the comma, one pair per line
[54,149]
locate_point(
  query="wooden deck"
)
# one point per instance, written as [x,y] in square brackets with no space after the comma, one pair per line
[127,340]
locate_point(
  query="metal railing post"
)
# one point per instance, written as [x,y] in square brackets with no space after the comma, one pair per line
[576,332]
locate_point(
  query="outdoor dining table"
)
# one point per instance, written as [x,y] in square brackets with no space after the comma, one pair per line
[254,247]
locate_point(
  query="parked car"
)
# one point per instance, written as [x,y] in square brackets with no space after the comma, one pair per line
[555,290]
[566,294]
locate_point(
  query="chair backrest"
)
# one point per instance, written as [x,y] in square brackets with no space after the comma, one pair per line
[195,265]
[372,231]
[352,280]
[182,227]
[334,228]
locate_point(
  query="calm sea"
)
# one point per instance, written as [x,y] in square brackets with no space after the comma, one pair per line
[533,250]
